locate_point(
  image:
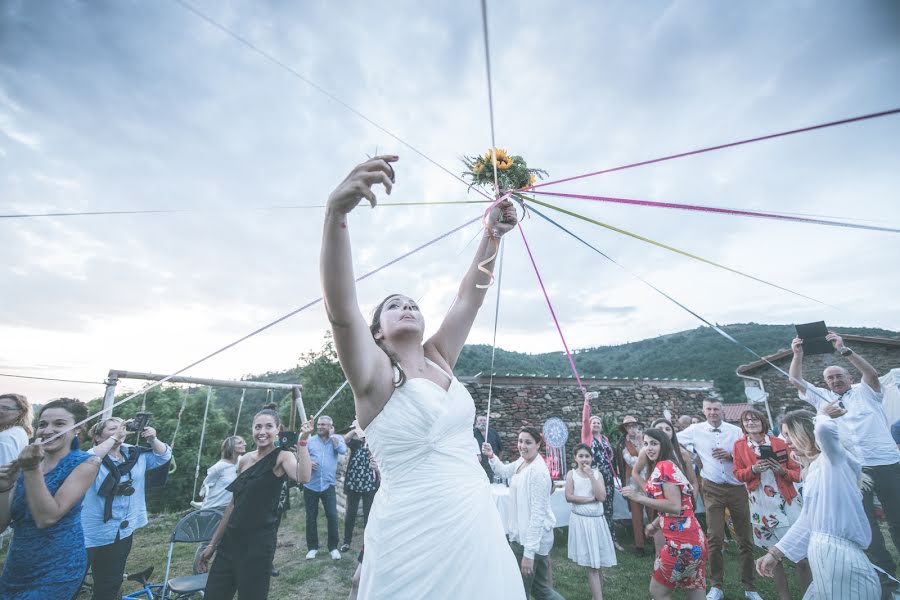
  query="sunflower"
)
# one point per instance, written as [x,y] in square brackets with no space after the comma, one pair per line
[501,155]
[531,179]
[504,165]
[478,168]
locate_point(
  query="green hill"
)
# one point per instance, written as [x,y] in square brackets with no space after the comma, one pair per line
[694,354]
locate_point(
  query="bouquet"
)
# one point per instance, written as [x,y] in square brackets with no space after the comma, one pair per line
[512,171]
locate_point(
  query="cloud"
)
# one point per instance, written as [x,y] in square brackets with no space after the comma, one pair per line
[141,106]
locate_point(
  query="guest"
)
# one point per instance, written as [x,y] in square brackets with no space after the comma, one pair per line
[683,422]
[878,451]
[713,442]
[681,561]
[361,481]
[15,426]
[530,518]
[602,451]
[682,461]
[40,497]
[832,529]
[324,450]
[115,506]
[590,543]
[244,542]
[492,438]
[219,476]
[627,451]
[774,503]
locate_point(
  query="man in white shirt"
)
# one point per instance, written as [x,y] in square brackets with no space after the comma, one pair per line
[865,424]
[714,441]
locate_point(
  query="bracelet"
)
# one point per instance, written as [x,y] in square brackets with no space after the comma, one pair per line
[302,442]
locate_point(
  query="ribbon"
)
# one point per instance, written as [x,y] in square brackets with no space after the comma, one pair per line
[642,163]
[713,209]
[677,250]
[492,239]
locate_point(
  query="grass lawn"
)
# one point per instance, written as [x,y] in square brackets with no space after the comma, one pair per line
[326,579]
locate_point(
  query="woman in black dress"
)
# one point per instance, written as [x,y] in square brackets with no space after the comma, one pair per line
[360,482]
[244,542]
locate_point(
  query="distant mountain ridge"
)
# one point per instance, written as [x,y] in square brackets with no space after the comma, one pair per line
[692,354]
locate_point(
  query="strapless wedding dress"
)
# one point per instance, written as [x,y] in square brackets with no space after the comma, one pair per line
[433,531]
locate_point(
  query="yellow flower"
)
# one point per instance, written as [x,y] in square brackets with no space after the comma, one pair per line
[478,168]
[503,166]
[531,179]
[501,155]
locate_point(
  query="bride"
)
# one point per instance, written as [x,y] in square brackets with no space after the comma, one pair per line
[433,530]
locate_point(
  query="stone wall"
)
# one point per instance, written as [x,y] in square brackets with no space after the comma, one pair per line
[520,401]
[881,353]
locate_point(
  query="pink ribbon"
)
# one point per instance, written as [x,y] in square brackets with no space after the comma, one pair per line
[713,209]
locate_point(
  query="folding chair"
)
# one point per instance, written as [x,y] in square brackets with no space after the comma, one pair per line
[194,528]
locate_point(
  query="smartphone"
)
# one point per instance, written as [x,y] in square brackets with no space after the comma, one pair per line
[288,439]
[139,422]
[766,452]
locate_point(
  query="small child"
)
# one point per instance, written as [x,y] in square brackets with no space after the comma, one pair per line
[590,543]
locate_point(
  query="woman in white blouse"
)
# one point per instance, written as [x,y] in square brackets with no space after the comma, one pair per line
[219,476]
[832,529]
[15,426]
[531,520]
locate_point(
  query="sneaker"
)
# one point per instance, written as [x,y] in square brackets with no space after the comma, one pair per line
[335,555]
[715,594]
[752,596]
[345,548]
[311,554]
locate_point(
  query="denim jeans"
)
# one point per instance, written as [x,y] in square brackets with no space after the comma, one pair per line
[329,502]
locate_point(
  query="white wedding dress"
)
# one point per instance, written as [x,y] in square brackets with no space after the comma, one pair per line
[433,531]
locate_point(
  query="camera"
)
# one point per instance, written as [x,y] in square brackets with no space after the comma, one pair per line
[124,489]
[288,439]
[139,422]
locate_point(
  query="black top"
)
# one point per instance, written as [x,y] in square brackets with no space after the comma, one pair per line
[496,446]
[256,494]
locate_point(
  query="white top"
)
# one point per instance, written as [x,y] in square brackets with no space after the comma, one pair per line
[12,441]
[705,438]
[832,501]
[865,425]
[582,487]
[530,518]
[218,477]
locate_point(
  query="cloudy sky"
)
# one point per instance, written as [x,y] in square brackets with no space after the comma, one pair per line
[132,105]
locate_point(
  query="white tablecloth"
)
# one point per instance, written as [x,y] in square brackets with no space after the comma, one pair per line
[558,504]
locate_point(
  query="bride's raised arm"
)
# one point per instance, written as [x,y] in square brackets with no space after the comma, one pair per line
[359,356]
[449,339]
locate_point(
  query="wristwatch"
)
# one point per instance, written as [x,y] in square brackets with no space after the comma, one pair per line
[845,351]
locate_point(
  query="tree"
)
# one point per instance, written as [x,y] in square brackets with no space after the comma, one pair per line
[321,375]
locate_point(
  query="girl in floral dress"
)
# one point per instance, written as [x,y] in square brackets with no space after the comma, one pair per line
[774,502]
[681,562]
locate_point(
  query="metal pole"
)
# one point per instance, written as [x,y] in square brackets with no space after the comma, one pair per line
[237,419]
[202,435]
[298,401]
[109,397]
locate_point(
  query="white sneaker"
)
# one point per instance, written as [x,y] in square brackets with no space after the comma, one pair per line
[752,596]
[715,594]
[336,555]
[311,554]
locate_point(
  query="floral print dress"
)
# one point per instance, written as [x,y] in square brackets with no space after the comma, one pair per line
[681,562]
[602,452]
[770,513]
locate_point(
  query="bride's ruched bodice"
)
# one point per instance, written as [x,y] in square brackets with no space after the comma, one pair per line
[433,531]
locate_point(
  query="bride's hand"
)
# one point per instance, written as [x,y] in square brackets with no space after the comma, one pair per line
[502,219]
[358,184]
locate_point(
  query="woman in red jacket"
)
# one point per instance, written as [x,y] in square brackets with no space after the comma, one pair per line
[764,464]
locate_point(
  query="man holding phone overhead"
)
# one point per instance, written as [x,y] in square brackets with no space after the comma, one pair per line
[859,413]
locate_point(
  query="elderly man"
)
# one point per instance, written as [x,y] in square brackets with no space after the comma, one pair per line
[714,441]
[492,438]
[324,449]
[866,426]
[683,422]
